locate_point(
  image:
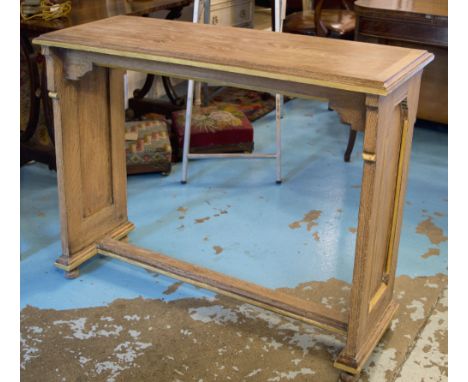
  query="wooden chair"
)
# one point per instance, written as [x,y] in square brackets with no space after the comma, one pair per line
[328,18]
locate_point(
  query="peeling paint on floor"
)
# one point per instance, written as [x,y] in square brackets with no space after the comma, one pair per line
[257,245]
[428,360]
[435,234]
[431,252]
[309,220]
[217,249]
[214,341]
[173,288]
[202,220]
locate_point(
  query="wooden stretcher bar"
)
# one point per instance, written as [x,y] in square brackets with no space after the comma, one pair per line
[307,311]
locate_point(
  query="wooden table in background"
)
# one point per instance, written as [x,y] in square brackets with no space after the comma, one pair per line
[419,24]
[83,11]
[85,67]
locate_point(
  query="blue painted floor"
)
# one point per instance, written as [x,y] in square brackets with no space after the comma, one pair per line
[231,217]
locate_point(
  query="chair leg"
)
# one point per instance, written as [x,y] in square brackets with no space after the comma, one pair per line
[205,94]
[351,141]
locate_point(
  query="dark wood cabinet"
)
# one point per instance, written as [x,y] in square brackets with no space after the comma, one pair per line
[419,24]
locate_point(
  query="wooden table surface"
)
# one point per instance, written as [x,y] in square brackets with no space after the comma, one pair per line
[304,59]
[85,11]
[426,7]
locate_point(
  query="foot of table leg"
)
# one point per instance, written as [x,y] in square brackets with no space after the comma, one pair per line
[73,274]
[346,377]
[71,263]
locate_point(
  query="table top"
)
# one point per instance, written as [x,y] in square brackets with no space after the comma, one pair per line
[426,7]
[348,65]
[85,11]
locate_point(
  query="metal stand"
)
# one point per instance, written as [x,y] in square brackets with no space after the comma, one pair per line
[188,114]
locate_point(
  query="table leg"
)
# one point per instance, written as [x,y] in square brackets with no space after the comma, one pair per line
[386,152]
[90,152]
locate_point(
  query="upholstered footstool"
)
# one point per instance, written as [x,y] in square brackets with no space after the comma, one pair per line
[219,128]
[148,147]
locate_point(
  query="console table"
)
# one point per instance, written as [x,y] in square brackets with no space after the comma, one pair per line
[375,88]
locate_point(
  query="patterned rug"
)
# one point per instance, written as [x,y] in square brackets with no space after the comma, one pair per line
[254,104]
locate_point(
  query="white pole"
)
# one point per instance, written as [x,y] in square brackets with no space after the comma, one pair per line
[187,130]
[279,98]
[188,111]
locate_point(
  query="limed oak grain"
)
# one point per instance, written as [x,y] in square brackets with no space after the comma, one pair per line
[345,65]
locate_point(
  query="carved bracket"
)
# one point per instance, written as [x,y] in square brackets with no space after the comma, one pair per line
[351,109]
[371,119]
[76,65]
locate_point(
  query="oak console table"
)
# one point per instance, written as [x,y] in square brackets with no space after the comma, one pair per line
[375,88]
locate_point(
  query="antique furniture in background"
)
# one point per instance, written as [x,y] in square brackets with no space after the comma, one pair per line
[419,24]
[295,6]
[37,134]
[291,6]
[148,146]
[85,66]
[218,128]
[328,18]
[236,13]
[325,19]
[187,130]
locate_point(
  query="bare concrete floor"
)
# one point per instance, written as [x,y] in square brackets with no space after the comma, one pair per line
[428,360]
